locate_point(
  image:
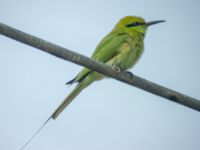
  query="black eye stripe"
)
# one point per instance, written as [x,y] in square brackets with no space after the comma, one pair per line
[134,24]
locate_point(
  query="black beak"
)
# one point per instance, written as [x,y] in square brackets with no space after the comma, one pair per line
[154,22]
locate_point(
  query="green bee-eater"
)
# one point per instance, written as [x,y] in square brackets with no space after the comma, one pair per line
[121,48]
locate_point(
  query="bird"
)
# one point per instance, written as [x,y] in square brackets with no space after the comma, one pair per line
[122,48]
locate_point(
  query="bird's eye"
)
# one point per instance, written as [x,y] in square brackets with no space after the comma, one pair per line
[134,24]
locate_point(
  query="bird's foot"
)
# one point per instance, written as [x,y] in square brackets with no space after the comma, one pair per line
[129,73]
[117,69]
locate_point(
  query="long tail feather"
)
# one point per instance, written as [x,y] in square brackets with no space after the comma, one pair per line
[36,133]
[83,84]
[71,96]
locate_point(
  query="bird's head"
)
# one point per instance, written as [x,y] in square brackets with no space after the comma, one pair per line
[135,24]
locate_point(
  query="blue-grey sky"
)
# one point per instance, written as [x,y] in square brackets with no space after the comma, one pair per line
[109,115]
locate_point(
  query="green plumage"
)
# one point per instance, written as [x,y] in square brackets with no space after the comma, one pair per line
[122,47]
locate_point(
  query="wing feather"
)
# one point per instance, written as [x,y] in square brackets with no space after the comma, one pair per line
[105,50]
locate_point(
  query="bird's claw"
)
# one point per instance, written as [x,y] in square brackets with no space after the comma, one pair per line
[117,69]
[129,73]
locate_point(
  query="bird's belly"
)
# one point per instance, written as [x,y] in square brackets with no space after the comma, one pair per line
[126,59]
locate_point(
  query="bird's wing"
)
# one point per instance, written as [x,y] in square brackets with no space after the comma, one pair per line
[105,50]
[109,46]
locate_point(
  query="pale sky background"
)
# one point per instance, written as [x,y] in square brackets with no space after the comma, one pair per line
[109,115]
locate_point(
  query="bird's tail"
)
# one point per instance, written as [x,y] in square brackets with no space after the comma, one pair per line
[82,85]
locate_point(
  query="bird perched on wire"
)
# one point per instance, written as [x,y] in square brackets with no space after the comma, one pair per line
[122,48]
